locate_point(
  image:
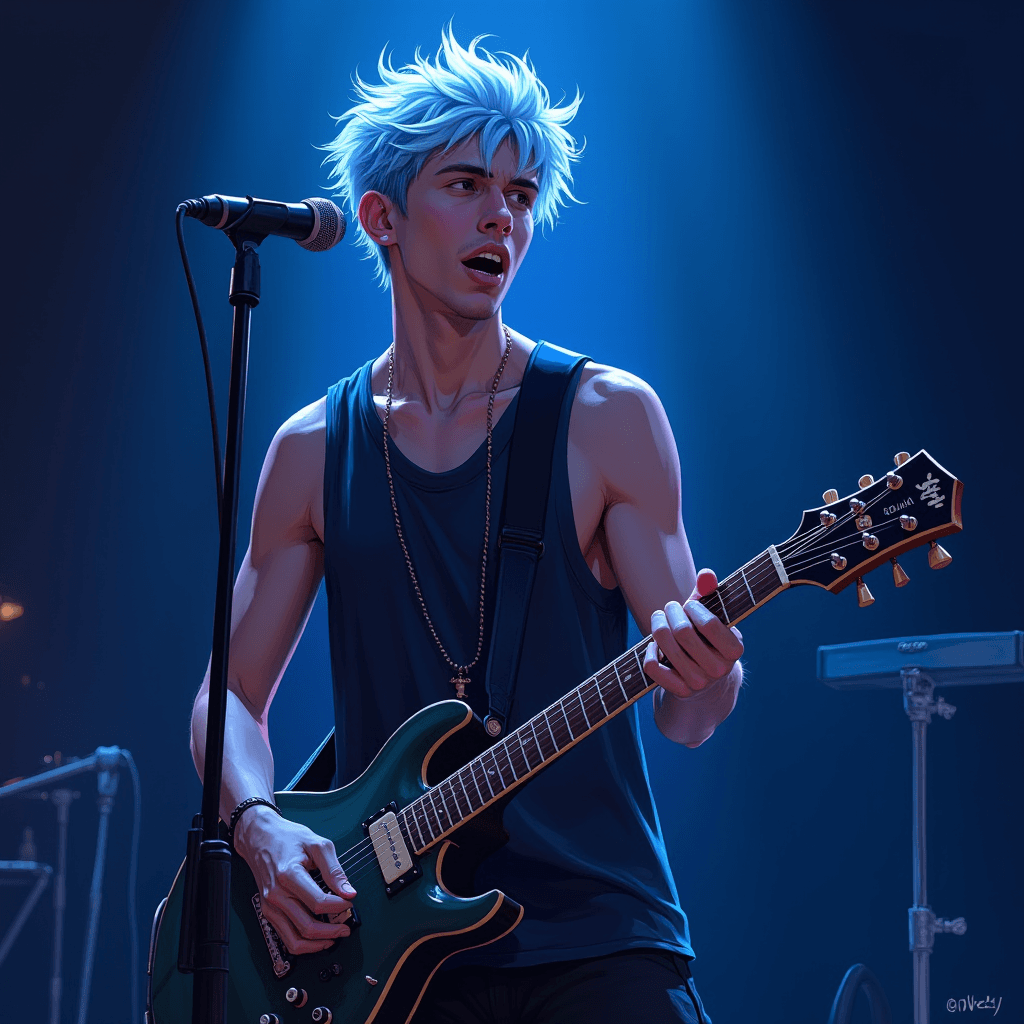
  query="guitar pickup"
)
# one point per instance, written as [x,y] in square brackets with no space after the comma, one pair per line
[397,864]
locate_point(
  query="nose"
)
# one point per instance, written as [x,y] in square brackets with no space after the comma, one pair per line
[496,214]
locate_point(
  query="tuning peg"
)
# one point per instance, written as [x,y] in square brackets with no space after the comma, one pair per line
[908,523]
[900,457]
[938,556]
[866,480]
[899,577]
[894,480]
[830,496]
[864,596]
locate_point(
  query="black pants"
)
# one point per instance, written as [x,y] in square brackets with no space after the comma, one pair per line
[648,985]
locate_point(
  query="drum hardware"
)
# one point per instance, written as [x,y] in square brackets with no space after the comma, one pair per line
[106,762]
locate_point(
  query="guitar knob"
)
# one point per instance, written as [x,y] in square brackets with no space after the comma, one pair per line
[830,496]
[899,577]
[866,480]
[900,457]
[269,1018]
[296,996]
[321,1015]
[938,556]
[864,596]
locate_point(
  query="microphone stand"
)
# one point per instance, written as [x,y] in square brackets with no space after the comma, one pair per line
[206,917]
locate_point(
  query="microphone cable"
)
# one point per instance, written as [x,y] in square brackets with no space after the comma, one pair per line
[179,219]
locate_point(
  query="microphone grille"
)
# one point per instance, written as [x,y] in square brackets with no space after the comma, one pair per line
[328,225]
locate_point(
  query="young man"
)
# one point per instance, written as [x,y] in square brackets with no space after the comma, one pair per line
[383,487]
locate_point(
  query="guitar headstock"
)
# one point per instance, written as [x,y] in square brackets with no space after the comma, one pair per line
[844,539]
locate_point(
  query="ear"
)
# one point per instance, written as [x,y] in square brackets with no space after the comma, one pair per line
[376,213]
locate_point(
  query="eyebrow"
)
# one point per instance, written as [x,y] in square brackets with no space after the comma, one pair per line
[481,173]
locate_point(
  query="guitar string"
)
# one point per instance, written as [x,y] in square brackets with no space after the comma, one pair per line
[364,850]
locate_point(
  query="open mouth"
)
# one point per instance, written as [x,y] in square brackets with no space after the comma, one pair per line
[485,263]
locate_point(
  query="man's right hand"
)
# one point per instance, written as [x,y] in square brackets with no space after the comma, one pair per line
[281,854]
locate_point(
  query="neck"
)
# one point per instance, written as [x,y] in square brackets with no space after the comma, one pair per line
[441,357]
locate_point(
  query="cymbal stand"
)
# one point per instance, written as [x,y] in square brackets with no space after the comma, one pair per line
[919,705]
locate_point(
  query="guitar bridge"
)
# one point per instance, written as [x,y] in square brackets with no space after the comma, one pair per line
[397,864]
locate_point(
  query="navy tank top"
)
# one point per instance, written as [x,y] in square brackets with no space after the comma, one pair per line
[585,857]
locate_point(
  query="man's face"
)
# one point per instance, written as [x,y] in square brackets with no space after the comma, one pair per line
[466,231]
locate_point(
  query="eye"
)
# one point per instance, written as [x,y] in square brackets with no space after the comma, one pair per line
[522,198]
[469,184]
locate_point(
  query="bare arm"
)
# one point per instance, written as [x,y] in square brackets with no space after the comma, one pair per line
[273,596]
[630,445]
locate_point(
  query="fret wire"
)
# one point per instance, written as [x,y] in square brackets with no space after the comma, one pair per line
[561,707]
[536,741]
[547,722]
[409,823]
[483,768]
[508,757]
[519,740]
[415,821]
[455,797]
[433,804]
[497,767]
[465,792]
[426,820]
[639,663]
[472,775]
[523,737]
[455,800]
[600,697]
[587,688]
[403,825]
[579,696]
[437,813]
[618,679]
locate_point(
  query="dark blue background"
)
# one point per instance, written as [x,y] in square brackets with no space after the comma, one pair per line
[802,226]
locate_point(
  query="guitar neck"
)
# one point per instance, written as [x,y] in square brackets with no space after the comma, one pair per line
[549,734]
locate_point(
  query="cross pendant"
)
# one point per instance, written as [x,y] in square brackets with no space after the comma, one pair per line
[460,686]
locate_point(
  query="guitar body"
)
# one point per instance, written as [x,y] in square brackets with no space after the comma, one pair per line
[400,940]
[450,785]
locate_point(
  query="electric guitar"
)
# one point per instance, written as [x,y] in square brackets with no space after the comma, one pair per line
[412,828]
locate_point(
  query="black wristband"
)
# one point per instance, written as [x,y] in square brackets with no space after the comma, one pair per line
[241,809]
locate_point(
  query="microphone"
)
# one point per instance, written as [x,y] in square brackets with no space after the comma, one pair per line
[316,224]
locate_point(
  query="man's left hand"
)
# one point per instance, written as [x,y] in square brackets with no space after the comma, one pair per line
[700,648]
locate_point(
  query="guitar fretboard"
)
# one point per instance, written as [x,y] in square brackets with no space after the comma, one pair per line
[536,743]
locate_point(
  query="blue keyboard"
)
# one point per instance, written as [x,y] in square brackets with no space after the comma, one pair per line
[950,659]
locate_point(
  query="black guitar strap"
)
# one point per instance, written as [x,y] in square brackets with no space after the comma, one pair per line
[521,541]
[548,375]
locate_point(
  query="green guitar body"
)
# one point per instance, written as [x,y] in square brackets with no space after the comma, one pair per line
[378,973]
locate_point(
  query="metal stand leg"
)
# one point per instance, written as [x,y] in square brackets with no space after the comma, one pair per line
[42,873]
[917,700]
[106,785]
[61,799]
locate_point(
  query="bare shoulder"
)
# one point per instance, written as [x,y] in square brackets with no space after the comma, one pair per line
[290,493]
[619,424]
